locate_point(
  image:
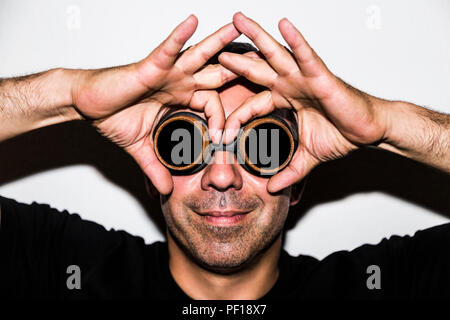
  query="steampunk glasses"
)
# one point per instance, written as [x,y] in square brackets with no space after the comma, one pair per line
[264,145]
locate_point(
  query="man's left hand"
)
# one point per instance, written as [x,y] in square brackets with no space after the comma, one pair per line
[333,118]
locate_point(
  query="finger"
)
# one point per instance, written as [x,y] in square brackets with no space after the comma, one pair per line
[278,57]
[166,53]
[213,76]
[255,106]
[146,158]
[301,164]
[198,55]
[254,54]
[308,61]
[254,69]
[209,102]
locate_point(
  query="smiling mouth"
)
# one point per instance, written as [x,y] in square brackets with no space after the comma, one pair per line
[223,218]
[222,213]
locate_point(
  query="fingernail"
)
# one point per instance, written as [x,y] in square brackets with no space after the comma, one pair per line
[216,136]
[225,136]
[229,134]
[212,134]
[285,19]
[271,189]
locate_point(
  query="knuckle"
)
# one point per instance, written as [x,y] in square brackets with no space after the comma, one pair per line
[224,76]
[204,55]
[246,72]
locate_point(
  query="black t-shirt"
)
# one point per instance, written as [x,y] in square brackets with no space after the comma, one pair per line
[39,243]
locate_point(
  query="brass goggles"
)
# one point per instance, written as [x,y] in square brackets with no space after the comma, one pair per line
[264,145]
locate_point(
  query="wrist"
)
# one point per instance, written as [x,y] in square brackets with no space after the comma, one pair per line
[56,85]
[61,83]
[385,114]
[392,115]
[411,133]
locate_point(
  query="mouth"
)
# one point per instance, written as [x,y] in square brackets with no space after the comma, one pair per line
[223,217]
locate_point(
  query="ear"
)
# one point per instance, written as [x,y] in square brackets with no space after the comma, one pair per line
[297,192]
[151,190]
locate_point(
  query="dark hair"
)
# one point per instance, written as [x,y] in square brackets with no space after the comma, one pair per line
[233,47]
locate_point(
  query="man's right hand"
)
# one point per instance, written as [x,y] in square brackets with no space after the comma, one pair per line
[124,102]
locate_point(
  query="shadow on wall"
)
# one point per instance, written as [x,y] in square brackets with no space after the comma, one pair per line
[372,169]
[363,171]
[75,142]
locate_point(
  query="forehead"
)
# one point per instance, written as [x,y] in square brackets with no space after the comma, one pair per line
[233,95]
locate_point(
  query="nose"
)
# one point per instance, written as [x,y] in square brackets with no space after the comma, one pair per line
[222,172]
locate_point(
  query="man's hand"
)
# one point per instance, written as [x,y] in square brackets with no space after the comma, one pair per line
[125,102]
[333,118]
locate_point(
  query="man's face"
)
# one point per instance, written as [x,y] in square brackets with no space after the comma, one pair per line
[223,187]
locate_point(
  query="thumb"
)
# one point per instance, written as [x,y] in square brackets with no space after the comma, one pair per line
[146,158]
[299,167]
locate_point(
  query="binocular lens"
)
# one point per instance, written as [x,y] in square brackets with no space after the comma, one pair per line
[268,145]
[180,143]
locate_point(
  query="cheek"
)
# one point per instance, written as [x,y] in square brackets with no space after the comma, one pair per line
[182,186]
[276,206]
[275,211]
[181,183]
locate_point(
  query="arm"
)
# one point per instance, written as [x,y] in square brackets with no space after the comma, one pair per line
[36,101]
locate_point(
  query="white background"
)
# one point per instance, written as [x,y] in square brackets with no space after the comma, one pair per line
[392,49]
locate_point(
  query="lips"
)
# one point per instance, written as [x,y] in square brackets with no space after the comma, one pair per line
[223,218]
[221,213]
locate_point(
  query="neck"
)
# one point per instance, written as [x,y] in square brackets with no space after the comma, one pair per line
[253,282]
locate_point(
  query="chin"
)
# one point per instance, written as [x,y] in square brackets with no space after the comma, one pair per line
[228,258]
[225,264]
[218,256]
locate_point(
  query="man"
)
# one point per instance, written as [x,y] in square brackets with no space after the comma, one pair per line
[224,224]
